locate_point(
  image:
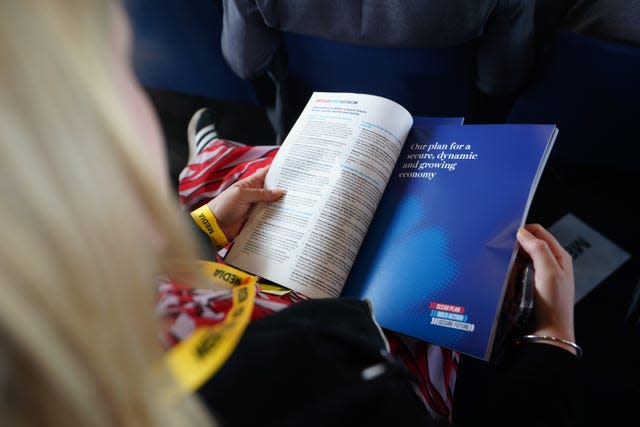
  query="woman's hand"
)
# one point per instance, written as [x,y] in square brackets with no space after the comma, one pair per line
[231,207]
[554,283]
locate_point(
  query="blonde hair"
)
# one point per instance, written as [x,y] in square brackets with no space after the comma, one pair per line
[80,210]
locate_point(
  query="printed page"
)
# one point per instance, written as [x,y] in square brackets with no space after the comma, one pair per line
[334,166]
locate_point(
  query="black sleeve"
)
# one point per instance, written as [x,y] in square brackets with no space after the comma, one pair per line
[303,366]
[535,387]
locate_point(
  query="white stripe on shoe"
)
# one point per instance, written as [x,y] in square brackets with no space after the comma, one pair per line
[205,140]
[203,131]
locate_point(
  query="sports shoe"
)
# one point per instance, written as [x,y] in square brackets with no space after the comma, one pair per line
[201,130]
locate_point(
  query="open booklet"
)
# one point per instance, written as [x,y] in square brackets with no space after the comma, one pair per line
[416,216]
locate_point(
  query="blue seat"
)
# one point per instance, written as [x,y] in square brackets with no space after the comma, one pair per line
[177,47]
[591,89]
[426,81]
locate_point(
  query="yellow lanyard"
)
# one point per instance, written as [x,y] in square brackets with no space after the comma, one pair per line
[196,359]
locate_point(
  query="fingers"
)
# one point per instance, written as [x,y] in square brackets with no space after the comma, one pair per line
[255,195]
[561,255]
[250,188]
[538,250]
[255,180]
[554,282]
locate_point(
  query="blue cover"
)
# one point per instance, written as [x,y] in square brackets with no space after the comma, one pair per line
[450,240]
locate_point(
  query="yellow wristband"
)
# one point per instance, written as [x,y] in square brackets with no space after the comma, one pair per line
[208,223]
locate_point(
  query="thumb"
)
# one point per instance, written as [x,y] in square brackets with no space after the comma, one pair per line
[255,195]
[256,179]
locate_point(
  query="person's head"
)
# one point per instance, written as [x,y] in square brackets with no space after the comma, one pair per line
[87,221]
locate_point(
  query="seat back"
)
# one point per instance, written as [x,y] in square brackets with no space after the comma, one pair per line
[177,47]
[426,81]
[590,88]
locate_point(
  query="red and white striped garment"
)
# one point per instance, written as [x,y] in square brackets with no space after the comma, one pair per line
[216,167]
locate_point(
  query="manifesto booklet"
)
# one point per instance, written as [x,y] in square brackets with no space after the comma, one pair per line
[416,216]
